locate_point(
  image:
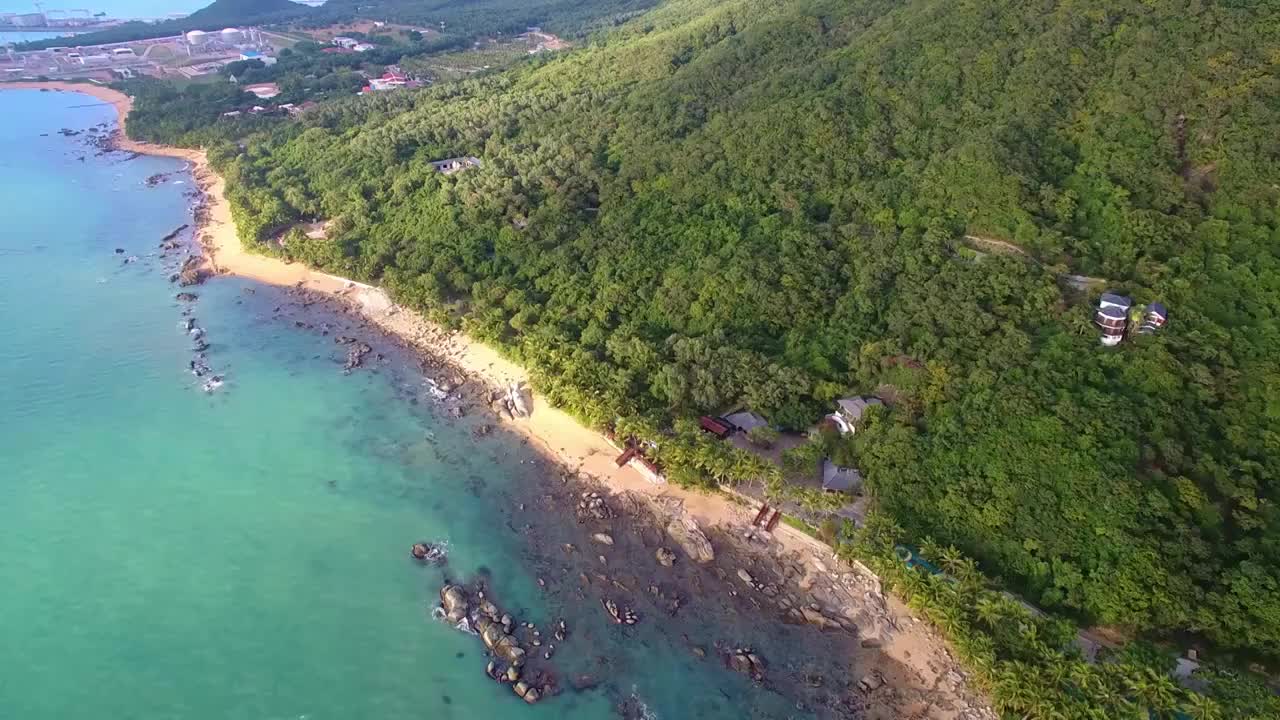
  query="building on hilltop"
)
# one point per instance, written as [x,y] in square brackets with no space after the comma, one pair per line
[1112,317]
[453,165]
[1154,318]
[849,412]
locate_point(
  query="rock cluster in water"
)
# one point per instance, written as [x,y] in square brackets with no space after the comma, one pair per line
[355,353]
[510,656]
[429,553]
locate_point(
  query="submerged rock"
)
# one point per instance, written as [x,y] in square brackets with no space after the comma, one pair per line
[747,662]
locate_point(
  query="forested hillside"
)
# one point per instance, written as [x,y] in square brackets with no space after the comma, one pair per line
[471,17]
[762,203]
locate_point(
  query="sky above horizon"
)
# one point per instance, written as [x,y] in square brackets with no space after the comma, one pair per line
[113,8]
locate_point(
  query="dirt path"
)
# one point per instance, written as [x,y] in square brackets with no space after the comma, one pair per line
[1003,247]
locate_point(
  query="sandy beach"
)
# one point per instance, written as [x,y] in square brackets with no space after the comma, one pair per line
[913,644]
[554,430]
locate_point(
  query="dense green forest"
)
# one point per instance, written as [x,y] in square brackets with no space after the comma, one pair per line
[479,17]
[761,204]
[738,202]
[219,14]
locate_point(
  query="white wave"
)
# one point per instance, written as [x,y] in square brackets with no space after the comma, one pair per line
[434,389]
[646,712]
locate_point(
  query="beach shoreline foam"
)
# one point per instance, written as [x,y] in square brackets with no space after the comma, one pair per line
[557,434]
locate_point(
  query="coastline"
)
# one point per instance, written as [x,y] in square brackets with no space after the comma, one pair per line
[556,433]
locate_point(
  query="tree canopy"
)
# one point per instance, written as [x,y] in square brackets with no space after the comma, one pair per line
[765,204]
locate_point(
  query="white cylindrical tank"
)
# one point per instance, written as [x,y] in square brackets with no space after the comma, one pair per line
[231,36]
[197,37]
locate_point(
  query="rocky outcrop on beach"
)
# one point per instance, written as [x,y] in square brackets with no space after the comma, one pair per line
[192,272]
[684,531]
[510,645]
[724,602]
[170,241]
[355,356]
[519,400]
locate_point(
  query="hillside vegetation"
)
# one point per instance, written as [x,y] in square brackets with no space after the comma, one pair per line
[472,17]
[760,203]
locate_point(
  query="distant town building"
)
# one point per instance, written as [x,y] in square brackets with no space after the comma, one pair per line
[255,55]
[389,81]
[363,47]
[1112,317]
[1154,318]
[849,412]
[345,42]
[264,91]
[29,20]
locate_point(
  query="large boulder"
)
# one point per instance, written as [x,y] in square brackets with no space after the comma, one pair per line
[508,649]
[454,601]
[519,398]
[685,532]
[491,633]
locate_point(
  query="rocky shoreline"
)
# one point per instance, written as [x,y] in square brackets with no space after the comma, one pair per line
[620,566]
[633,568]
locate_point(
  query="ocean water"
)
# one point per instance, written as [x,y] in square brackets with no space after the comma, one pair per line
[17,37]
[167,553]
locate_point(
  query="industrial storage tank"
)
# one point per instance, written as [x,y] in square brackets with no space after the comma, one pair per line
[231,36]
[197,37]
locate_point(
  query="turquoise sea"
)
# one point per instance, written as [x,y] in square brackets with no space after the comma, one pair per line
[167,553]
[17,37]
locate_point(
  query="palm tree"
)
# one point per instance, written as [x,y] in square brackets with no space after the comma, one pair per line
[1154,689]
[989,609]
[951,560]
[929,549]
[1201,707]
